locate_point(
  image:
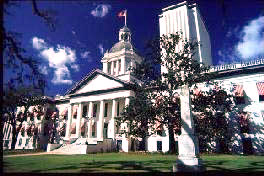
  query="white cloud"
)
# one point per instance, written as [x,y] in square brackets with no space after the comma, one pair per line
[59,58]
[73,32]
[85,54]
[43,69]
[252,42]
[101,48]
[101,10]
[75,67]
[38,43]
[61,76]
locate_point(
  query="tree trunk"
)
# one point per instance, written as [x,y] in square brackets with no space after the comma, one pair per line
[143,143]
[171,139]
[14,134]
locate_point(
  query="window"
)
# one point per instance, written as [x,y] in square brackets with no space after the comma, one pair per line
[105,130]
[109,67]
[244,122]
[20,142]
[84,111]
[94,130]
[115,70]
[119,68]
[27,141]
[117,110]
[106,110]
[75,112]
[159,145]
[260,87]
[239,94]
[94,110]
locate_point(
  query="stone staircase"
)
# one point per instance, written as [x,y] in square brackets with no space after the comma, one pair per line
[82,146]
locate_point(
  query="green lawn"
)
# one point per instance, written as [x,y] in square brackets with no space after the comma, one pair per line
[125,162]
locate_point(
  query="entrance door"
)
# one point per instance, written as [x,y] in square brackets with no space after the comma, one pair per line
[119,145]
[105,130]
[159,145]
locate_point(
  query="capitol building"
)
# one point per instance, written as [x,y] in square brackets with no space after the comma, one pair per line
[86,113]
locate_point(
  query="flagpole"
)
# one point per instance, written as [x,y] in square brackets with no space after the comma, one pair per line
[125,16]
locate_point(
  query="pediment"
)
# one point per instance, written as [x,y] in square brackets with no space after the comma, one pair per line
[99,82]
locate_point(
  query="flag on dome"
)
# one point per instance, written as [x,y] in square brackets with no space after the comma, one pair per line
[122,13]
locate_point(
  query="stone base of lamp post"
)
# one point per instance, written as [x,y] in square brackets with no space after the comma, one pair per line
[188,159]
[188,164]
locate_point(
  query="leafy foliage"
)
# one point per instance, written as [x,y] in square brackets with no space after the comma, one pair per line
[24,84]
[157,102]
[210,110]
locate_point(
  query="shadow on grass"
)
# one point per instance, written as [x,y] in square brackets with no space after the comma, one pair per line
[114,166]
[220,167]
[215,167]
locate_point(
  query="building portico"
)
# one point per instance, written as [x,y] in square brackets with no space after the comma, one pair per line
[91,115]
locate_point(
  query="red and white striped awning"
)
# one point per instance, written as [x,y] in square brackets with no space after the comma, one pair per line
[260,86]
[238,90]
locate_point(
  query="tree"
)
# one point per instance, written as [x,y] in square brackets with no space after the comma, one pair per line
[15,99]
[210,109]
[139,116]
[179,67]
[25,84]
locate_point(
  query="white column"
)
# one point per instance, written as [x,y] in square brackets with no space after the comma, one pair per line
[127,145]
[89,122]
[188,159]
[112,68]
[101,121]
[78,122]
[127,101]
[113,127]
[68,128]
[105,65]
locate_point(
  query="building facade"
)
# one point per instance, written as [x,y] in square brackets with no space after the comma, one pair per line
[86,113]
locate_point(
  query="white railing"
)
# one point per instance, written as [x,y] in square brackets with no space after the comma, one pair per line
[236,65]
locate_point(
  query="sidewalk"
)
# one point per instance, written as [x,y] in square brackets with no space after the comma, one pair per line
[41,153]
[29,154]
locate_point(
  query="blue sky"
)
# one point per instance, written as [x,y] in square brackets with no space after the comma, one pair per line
[86,29]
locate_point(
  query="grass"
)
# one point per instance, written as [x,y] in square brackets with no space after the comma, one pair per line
[125,163]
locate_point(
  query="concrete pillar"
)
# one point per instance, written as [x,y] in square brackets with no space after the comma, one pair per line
[89,131]
[128,140]
[188,159]
[112,126]
[68,128]
[100,121]
[105,65]
[78,121]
